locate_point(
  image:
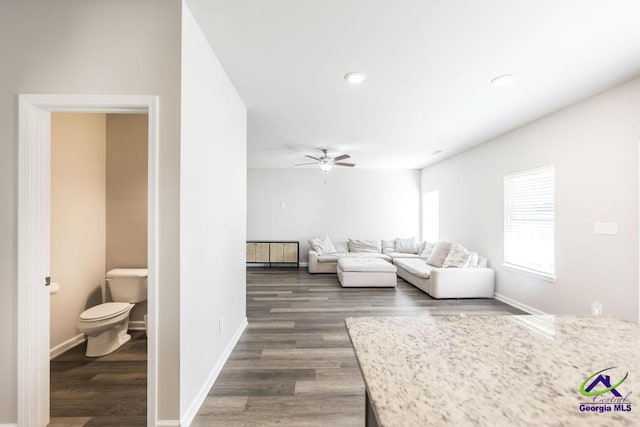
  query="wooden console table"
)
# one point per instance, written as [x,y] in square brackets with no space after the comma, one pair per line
[273,252]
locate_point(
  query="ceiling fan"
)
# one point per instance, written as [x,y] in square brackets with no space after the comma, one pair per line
[326,163]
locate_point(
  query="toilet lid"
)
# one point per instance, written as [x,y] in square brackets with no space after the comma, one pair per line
[106,310]
[127,272]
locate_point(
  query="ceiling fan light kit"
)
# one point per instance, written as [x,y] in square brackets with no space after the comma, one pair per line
[326,163]
[355,77]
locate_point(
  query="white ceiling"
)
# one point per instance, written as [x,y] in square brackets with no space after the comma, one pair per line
[428,62]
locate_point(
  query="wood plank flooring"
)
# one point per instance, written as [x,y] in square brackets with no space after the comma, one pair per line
[294,365]
[104,391]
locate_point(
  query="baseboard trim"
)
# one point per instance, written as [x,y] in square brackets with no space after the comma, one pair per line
[65,346]
[304,264]
[9,425]
[517,304]
[190,414]
[136,325]
[166,423]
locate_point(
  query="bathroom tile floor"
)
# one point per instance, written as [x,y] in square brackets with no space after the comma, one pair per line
[105,391]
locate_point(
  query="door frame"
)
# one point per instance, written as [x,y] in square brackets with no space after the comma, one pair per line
[34,186]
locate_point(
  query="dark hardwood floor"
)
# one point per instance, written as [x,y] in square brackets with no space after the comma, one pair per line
[294,365]
[104,391]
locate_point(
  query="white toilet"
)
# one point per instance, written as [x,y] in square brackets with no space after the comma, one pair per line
[106,324]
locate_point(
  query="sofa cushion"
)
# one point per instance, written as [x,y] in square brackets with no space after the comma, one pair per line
[329,257]
[365,265]
[402,255]
[427,249]
[473,261]
[365,245]
[458,257]
[407,246]
[335,257]
[341,246]
[367,255]
[421,245]
[439,254]
[416,266]
[322,245]
[388,246]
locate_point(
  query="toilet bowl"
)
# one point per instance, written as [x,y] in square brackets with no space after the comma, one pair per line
[106,324]
[106,327]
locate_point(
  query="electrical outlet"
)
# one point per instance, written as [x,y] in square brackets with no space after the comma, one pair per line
[610,228]
[220,326]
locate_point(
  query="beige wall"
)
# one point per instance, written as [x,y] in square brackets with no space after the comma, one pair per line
[594,148]
[127,137]
[93,47]
[126,191]
[77,218]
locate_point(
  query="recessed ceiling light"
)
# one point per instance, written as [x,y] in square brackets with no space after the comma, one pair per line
[355,77]
[503,80]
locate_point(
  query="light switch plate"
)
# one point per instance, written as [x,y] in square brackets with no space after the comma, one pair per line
[610,228]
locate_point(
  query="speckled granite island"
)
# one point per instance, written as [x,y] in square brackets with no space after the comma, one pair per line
[499,370]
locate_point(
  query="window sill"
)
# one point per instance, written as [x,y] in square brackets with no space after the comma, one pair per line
[531,273]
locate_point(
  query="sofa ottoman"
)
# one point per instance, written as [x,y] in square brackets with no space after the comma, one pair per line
[366,272]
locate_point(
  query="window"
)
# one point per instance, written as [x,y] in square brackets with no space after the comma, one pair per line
[431,216]
[529,221]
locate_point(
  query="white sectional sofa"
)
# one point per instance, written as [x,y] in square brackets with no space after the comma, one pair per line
[476,282]
[442,269]
[321,262]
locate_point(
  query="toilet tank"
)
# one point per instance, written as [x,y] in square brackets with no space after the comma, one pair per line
[128,284]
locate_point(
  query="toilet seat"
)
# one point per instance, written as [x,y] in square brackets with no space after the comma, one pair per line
[104,311]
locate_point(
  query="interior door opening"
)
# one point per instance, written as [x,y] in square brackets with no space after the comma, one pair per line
[98,267]
[35,236]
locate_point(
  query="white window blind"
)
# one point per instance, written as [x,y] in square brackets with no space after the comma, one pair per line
[529,221]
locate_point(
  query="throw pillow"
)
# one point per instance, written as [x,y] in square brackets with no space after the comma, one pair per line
[388,246]
[364,245]
[421,245]
[341,247]
[426,251]
[407,246]
[473,261]
[458,257]
[322,245]
[439,254]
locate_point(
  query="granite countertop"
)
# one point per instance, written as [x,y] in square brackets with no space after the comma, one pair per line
[497,370]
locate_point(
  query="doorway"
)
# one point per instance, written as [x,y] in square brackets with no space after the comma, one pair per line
[34,233]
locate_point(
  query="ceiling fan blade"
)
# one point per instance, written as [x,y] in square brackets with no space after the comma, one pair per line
[341,157]
[311,157]
[344,164]
[302,164]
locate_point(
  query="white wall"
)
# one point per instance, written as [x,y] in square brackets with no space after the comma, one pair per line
[78,186]
[342,203]
[213,216]
[79,46]
[594,148]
